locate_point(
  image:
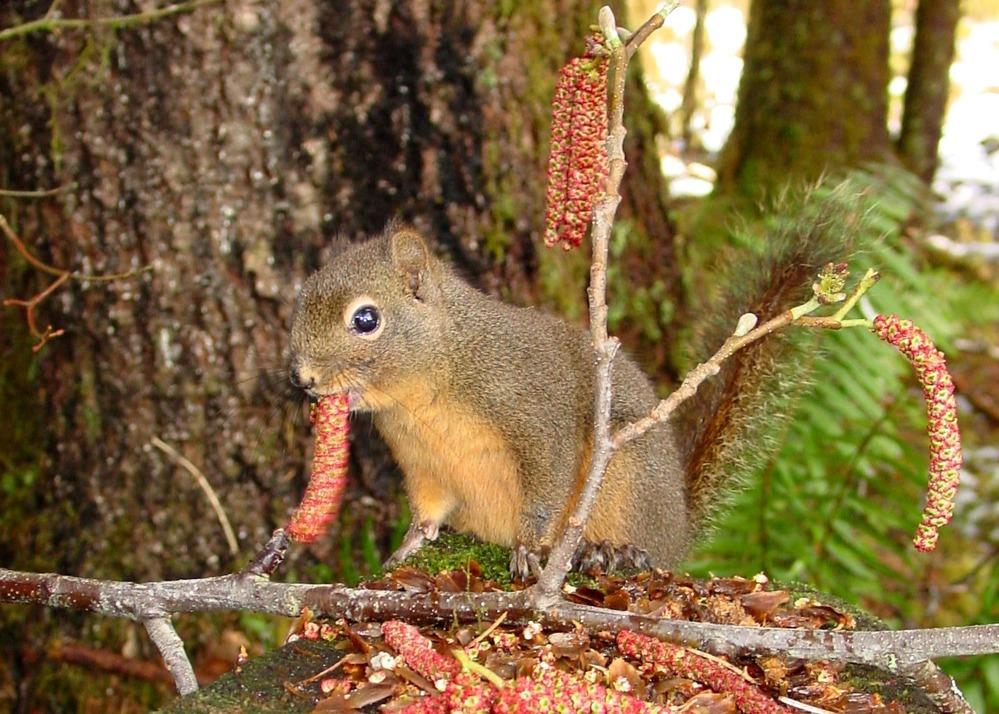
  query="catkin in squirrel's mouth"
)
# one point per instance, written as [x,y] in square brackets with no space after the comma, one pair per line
[321,503]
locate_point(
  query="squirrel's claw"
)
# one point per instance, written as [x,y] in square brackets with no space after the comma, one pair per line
[590,557]
[604,557]
[525,562]
[416,535]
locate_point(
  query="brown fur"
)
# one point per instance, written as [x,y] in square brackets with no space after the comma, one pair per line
[486,407]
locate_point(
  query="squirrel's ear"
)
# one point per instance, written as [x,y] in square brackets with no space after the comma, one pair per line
[411,257]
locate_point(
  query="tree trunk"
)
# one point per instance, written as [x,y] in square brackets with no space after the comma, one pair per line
[813,93]
[929,81]
[690,86]
[226,149]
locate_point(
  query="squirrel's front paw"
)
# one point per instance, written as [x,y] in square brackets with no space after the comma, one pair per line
[416,535]
[604,557]
[525,562]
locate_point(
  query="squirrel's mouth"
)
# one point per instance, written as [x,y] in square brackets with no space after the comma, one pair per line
[355,399]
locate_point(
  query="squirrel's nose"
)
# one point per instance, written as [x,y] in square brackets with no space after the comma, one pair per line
[296,378]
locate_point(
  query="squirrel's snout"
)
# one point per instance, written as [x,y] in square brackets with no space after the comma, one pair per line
[302,381]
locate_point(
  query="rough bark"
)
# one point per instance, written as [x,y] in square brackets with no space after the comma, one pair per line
[929,82]
[227,148]
[813,93]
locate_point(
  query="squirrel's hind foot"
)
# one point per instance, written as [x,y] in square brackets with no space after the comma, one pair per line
[591,557]
[525,562]
[606,557]
[416,535]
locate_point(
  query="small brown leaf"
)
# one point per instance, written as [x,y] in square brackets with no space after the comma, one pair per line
[621,669]
[412,580]
[823,615]
[760,605]
[526,666]
[569,644]
[710,703]
[371,694]
[617,600]
[587,596]
[452,581]
[731,586]
[502,664]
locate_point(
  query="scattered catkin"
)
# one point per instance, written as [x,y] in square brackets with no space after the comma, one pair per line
[749,698]
[324,494]
[418,651]
[577,159]
[551,690]
[941,426]
[548,690]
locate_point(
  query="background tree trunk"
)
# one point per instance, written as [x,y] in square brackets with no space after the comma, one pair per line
[809,66]
[226,149]
[929,84]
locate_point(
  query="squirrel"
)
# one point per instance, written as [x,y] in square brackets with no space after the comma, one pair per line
[487,407]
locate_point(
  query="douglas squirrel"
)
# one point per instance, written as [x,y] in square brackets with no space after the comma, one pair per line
[487,407]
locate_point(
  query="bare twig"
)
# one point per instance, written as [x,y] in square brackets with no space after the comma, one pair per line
[29,306]
[84,655]
[648,27]
[43,336]
[665,409]
[40,193]
[50,23]
[26,254]
[213,499]
[171,648]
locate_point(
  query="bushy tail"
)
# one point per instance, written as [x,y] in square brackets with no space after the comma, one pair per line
[738,417]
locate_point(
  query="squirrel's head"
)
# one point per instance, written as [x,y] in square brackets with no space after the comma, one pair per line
[369,318]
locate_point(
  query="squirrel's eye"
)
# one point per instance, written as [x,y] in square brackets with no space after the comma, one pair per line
[365,320]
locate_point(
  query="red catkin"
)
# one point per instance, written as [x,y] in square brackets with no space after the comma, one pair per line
[418,651]
[465,694]
[551,690]
[324,494]
[749,698]
[577,159]
[428,704]
[941,423]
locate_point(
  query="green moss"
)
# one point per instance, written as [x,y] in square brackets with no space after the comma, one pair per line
[260,686]
[891,688]
[454,551]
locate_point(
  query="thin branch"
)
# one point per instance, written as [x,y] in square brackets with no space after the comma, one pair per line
[40,193]
[43,336]
[648,27]
[52,270]
[83,655]
[29,306]
[664,410]
[26,254]
[213,499]
[49,23]
[171,649]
